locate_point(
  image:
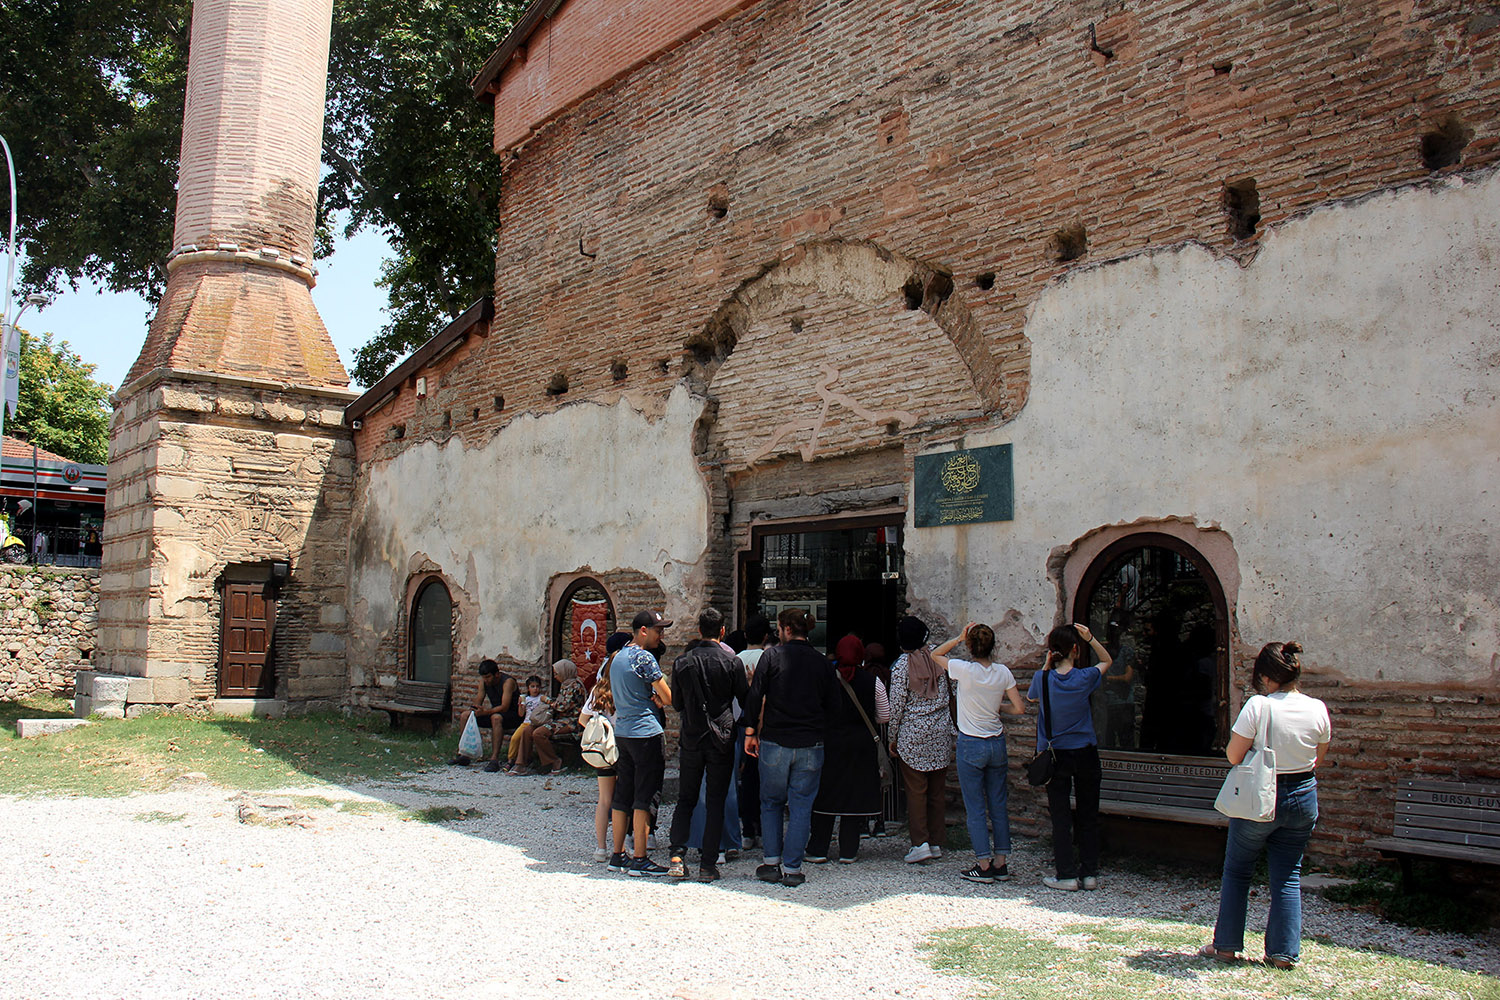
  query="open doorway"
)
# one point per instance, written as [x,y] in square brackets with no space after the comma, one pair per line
[848,572]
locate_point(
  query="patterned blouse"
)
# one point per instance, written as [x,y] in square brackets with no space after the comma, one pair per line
[565,708]
[921,728]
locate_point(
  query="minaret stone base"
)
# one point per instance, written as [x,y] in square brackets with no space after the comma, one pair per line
[215,481]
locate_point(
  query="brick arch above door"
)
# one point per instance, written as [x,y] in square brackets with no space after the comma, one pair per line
[844,347]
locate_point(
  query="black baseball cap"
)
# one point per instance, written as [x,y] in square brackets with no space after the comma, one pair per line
[650,619]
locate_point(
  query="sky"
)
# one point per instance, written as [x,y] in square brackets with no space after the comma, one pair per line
[107,329]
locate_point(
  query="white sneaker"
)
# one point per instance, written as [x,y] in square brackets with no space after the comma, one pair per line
[1061,884]
[937,851]
[601,855]
[1089,882]
[919,853]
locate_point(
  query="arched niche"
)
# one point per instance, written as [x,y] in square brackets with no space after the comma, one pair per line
[430,633]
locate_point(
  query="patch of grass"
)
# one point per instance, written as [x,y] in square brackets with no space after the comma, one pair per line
[1159,959]
[445,814]
[157,816]
[1434,902]
[118,757]
[39,706]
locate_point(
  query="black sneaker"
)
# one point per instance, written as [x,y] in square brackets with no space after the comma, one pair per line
[708,873]
[1001,872]
[645,866]
[793,879]
[492,766]
[460,761]
[618,862]
[768,873]
[974,873]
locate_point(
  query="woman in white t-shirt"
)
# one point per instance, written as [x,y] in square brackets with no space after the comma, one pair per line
[985,690]
[1299,733]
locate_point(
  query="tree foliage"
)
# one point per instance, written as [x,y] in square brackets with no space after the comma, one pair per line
[91,98]
[406,148]
[61,407]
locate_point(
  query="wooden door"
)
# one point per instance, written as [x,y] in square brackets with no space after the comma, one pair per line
[245,650]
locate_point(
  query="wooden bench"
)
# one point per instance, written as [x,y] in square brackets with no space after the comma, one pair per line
[1447,820]
[425,700]
[1162,786]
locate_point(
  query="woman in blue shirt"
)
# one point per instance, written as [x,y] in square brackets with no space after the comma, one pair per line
[1068,687]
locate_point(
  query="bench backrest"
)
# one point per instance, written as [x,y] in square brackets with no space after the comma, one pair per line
[1448,812]
[1146,780]
[429,695]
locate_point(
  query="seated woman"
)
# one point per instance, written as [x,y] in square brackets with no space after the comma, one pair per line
[565,707]
[501,692]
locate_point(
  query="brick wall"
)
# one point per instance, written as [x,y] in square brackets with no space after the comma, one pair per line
[49,625]
[998,146]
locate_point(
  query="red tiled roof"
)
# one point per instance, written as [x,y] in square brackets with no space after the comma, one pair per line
[16,448]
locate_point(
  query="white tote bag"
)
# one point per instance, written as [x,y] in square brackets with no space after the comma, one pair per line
[1249,790]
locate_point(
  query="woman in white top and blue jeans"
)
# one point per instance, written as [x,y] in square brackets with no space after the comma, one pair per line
[985,690]
[1300,731]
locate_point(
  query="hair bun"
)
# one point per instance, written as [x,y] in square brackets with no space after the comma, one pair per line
[1289,650]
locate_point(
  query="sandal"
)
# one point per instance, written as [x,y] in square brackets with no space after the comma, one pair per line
[1209,951]
[1278,962]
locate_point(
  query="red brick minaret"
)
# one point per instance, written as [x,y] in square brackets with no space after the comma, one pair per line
[229,466]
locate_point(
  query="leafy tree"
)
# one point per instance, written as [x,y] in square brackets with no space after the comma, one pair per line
[91,97]
[61,407]
[408,149]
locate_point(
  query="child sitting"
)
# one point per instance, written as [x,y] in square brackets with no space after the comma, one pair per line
[538,712]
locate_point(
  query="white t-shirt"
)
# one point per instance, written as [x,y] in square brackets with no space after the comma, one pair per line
[981,689]
[1298,725]
[750,657]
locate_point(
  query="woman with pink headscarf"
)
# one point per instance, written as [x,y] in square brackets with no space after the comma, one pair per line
[850,786]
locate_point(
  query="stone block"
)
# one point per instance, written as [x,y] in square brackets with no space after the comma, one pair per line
[170,690]
[268,708]
[28,728]
[84,708]
[108,688]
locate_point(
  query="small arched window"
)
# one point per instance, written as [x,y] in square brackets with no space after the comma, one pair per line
[585,618]
[432,633]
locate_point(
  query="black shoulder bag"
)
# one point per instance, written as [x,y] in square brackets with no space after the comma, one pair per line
[1040,768]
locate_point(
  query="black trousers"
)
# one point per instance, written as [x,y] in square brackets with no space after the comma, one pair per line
[749,779]
[702,761]
[1077,775]
[850,828]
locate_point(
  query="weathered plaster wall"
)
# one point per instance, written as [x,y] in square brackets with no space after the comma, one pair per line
[1332,406]
[588,486]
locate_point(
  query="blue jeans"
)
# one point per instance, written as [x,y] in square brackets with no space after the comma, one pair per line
[1284,839]
[788,778]
[982,766]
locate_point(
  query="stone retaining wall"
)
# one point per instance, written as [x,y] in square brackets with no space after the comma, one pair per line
[49,625]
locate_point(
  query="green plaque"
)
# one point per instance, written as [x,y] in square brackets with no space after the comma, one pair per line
[965,487]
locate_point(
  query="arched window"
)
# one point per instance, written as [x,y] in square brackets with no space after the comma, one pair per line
[432,633]
[583,623]
[1155,603]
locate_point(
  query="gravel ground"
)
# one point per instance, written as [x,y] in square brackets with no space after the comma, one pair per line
[173,895]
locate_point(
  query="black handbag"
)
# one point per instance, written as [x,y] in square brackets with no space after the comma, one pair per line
[1039,769]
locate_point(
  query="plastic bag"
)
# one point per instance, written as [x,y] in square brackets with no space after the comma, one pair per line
[469,743]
